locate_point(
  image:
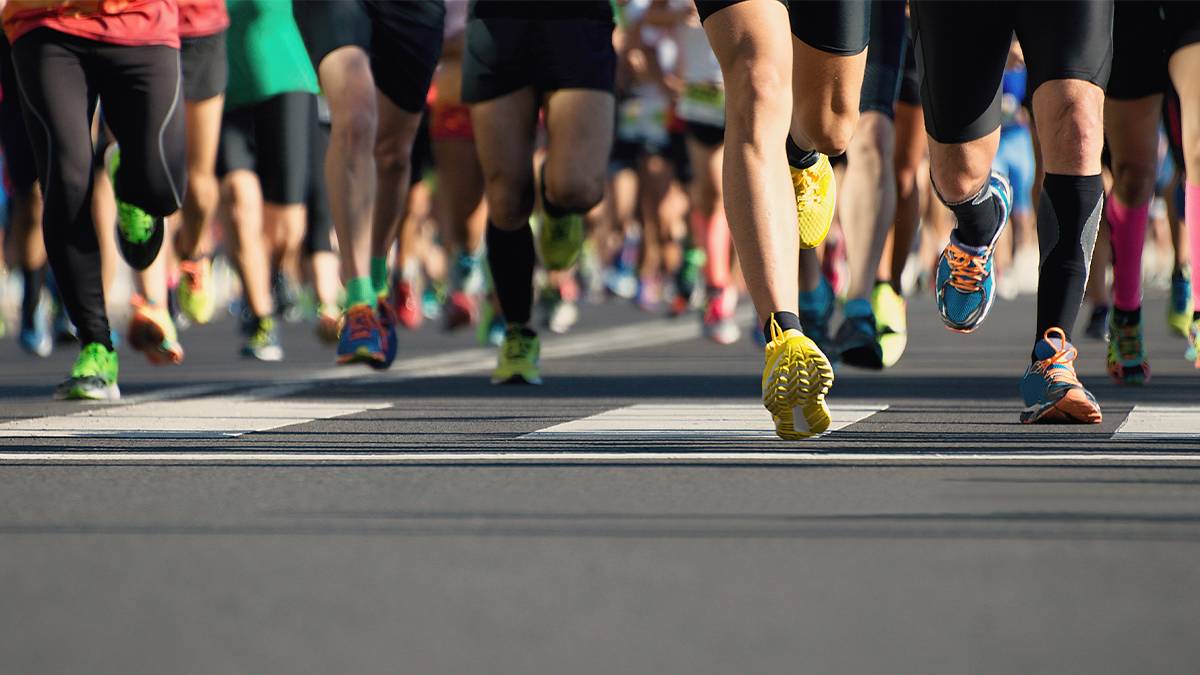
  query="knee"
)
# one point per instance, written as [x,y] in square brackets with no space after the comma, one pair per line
[1133,181]
[392,155]
[957,181]
[355,128]
[831,132]
[1071,125]
[573,191]
[758,102]
[509,204]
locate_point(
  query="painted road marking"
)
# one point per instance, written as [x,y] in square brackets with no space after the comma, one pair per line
[688,422]
[204,417]
[1160,423]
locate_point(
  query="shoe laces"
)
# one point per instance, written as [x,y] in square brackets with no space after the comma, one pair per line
[967,271]
[1129,342]
[361,323]
[1059,367]
[517,346]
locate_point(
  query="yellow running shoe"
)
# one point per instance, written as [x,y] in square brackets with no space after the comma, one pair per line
[195,290]
[794,383]
[891,322]
[816,192]
[152,332]
[519,356]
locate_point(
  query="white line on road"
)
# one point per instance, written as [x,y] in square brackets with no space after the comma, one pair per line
[1160,423]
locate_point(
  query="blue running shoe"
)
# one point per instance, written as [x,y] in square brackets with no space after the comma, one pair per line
[362,338]
[388,336]
[1052,391]
[965,285]
[858,338]
[816,310]
[1179,309]
[35,340]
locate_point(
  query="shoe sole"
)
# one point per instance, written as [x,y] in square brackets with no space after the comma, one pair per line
[1073,407]
[806,394]
[863,357]
[1135,376]
[361,355]
[109,393]
[518,379]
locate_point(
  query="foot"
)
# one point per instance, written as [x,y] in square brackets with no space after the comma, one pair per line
[965,284]
[857,339]
[1179,309]
[816,310]
[407,305]
[389,337]
[94,376]
[262,340]
[195,290]
[519,357]
[794,383]
[362,338]
[1193,351]
[560,240]
[152,332]
[560,314]
[36,339]
[1127,362]
[1097,326]
[460,311]
[891,322]
[139,234]
[329,324]
[816,193]
[719,324]
[1052,391]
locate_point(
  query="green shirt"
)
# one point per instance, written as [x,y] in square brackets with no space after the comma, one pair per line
[266,53]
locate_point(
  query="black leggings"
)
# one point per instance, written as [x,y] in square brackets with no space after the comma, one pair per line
[60,77]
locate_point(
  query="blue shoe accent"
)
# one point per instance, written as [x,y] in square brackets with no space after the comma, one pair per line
[1181,292]
[816,310]
[36,341]
[966,286]
[857,341]
[388,337]
[361,340]
[1050,388]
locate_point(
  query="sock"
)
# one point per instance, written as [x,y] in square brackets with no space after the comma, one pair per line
[977,217]
[800,159]
[1191,217]
[1067,221]
[786,321]
[1127,317]
[511,258]
[360,291]
[379,274]
[32,294]
[1128,232]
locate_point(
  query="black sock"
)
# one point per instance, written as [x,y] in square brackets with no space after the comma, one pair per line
[977,217]
[1127,318]
[511,257]
[786,321]
[800,159]
[1196,315]
[1067,220]
[34,279]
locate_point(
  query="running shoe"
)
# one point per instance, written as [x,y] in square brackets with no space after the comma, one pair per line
[94,376]
[287,298]
[388,335]
[1193,351]
[816,310]
[152,332]
[679,305]
[431,304]
[1179,309]
[262,340]
[329,324]
[816,192]
[687,278]
[139,234]
[407,305]
[718,322]
[519,355]
[891,322]
[362,338]
[1127,362]
[559,315]
[1052,391]
[491,325]
[1097,326]
[649,294]
[35,338]
[560,240]
[966,285]
[460,311]
[857,338]
[195,290]
[794,383]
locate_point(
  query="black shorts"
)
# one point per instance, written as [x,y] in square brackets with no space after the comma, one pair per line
[270,138]
[624,156]
[1183,24]
[709,135]
[834,26]
[910,80]
[962,49]
[1139,63]
[205,70]
[504,55]
[20,167]
[402,39]
[885,59]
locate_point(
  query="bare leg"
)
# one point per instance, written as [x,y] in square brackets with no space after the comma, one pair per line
[243,204]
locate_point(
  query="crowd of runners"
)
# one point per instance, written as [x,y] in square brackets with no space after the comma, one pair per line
[497,165]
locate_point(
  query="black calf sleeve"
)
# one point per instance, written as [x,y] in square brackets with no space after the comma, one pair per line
[511,258]
[1068,218]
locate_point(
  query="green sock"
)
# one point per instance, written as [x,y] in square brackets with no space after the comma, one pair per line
[360,292]
[379,275]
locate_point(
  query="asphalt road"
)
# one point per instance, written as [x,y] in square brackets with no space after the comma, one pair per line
[443,526]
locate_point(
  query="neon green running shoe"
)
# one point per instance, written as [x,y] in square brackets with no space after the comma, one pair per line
[139,234]
[891,322]
[94,377]
[560,239]
[195,290]
[519,356]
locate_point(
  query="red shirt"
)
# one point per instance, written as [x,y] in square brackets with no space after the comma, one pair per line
[199,18]
[118,22]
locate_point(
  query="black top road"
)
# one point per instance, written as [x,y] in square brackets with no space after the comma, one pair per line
[632,515]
